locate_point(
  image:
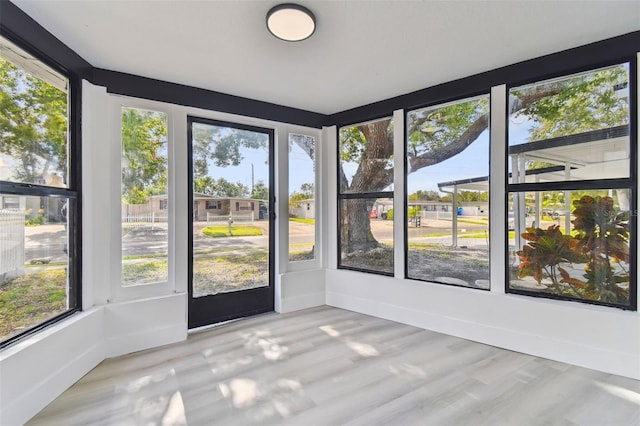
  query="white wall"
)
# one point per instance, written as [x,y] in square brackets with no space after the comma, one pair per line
[35,371]
[300,290]
[38,369]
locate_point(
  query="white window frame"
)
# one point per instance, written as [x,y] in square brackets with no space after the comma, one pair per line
[118,291]
[283,179]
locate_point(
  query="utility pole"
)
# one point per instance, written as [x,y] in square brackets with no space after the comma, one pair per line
[252,179]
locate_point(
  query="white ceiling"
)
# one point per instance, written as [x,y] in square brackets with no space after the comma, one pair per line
[362,51]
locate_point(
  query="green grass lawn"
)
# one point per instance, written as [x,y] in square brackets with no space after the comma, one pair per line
[460,234]
[219,231]
[31,299]
[474,222]
[221,274]
[144,273]
[301,220]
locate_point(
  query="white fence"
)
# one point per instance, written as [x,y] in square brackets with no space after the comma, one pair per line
[142,220]
[438,215]
[237,217]
[11,244]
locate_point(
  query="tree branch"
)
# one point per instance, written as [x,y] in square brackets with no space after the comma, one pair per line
[438,155]
[516,104]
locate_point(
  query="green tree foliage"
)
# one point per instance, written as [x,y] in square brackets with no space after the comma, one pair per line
[144,155]
[437,134]
[421,195]
[307,191]
[470,196]
[33,124]
[584,103]
[414,211]
[221,146]
[260,191]
[220,187]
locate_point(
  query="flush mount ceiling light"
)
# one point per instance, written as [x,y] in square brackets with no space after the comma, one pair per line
[291,22]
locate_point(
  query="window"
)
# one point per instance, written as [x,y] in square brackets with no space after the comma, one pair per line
[302,195]
[10,202]
[38,210]
[145,234]
[242,206]
[570,191]
[214,205]
[365,190]
[448,193]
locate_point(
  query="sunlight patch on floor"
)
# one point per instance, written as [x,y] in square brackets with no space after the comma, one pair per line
[175,415]
[620,392]
[241,392]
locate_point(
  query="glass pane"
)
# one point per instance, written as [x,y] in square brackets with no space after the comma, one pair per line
[33,120]
[366,157]
[366,228]
[34,246]
[448,187]
[302,197]
[145,236]
[580,253]
[572,128]
[230,209]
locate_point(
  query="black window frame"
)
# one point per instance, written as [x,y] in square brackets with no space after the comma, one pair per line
[73,191]
[215,203]
[629,182]
[358,195]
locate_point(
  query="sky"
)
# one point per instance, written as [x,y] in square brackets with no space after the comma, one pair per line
[472,162]
[258,158]
[300,165]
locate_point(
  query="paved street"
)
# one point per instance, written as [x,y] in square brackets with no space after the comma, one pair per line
[47,241]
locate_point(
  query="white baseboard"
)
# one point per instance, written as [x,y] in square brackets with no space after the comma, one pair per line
[144,339]
[619,363]
[298,303]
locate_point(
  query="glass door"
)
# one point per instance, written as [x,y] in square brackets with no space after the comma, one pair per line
[231,232]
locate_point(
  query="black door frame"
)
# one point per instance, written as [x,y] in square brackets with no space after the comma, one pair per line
[242,303]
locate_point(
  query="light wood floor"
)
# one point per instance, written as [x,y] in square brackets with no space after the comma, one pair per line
[327,366]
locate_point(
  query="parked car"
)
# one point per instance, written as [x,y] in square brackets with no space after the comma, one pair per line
[374,214]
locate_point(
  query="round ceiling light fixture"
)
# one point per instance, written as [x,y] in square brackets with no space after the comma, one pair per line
[291,22]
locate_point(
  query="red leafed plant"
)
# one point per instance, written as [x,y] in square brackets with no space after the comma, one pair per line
[601,243]
[543,255]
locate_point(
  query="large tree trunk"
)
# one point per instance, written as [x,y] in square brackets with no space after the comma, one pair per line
[373,175]
[356,226]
